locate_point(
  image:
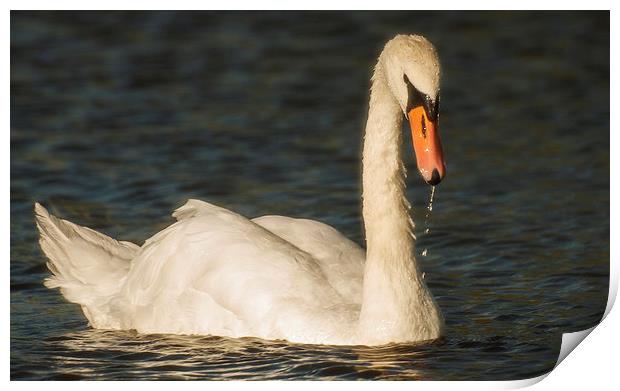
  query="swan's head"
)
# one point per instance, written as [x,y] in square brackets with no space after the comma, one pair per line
[410,66]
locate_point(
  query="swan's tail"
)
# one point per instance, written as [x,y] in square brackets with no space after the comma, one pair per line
[87,266]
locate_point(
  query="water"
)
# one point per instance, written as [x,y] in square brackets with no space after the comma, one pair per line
[117,118]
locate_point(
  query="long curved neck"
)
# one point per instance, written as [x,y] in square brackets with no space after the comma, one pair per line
[395,296]
[388,225]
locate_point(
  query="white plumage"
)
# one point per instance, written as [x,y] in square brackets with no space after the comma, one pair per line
[217,272]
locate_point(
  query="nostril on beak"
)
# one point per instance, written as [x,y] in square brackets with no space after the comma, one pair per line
[435,179]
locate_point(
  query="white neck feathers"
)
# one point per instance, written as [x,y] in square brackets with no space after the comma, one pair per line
[397,305]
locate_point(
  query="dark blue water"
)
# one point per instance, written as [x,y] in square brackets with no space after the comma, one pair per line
[118,118]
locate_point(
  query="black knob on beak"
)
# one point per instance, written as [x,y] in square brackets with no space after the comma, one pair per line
[435,179]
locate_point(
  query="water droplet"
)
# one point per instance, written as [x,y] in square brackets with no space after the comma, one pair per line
[429,209]
[430,202]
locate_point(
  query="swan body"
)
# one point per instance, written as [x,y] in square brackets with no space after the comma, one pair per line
[216,272]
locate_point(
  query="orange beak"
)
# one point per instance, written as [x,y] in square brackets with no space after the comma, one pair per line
[427,146]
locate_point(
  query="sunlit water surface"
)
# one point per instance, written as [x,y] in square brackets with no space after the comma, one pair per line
[117,119]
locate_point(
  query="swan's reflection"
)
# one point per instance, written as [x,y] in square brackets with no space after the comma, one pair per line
[395,361]
[92,354]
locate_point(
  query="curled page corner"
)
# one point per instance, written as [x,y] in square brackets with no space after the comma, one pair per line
[570,342]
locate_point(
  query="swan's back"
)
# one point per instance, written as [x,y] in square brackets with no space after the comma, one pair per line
[216,272]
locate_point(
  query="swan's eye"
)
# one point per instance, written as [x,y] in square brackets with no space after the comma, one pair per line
[423,127]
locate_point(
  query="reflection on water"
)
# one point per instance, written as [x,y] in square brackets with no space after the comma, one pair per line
[95,354]
[117,118]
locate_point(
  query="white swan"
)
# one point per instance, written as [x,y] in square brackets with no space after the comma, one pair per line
[217,272]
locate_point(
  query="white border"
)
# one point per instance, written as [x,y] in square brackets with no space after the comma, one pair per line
[592,364]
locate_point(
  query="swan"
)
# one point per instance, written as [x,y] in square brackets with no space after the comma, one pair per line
[216,272]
